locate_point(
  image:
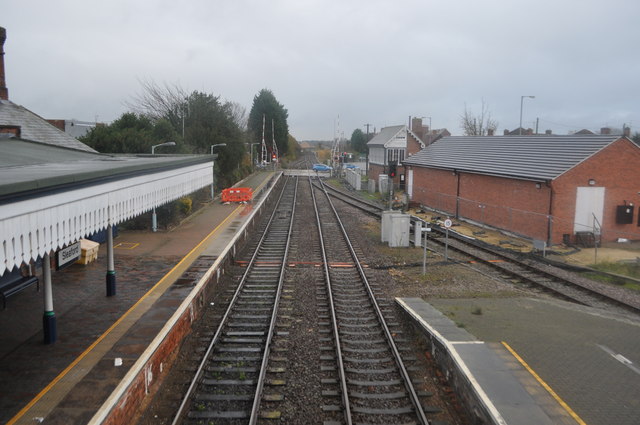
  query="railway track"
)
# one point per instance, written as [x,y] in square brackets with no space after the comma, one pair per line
[371,381]
[529,271]
[228,384]
[345,365]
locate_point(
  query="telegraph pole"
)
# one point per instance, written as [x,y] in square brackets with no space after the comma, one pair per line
[366,168]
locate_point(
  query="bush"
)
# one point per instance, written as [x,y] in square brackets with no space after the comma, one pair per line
[184,205]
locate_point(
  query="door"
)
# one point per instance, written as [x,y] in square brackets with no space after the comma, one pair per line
[589,209]
[410,184]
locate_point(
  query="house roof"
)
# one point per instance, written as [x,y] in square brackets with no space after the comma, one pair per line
[525,157]
[388,134]
[36,128]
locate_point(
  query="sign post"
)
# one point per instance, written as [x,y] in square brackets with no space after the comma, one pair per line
[447,224]
[67,255]
[426,231]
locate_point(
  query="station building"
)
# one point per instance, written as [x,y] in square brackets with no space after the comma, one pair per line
[577,189]
[390,146]
[55,190]
[394,144]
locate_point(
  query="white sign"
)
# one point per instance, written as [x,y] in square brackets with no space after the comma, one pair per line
[447,223]
[67,255]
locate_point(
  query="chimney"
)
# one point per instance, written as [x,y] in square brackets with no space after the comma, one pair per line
[506,132]
[605,130]
[490,131]
[626,132]
[417,128]
[547,132]
[4,93]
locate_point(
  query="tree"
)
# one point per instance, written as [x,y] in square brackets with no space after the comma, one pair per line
[202,120]
[359,140]
[477,124]
[238,114]
[293,150]
[156,102]
[131,133]
[210,122]
[266,105]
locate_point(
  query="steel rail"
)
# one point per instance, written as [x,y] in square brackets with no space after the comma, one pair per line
[334,320]
[606,297]
[274,315]
[225,318]
[413,396]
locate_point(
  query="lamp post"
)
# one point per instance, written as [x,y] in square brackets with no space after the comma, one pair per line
[153,148]
[251,153]
[521,103]
[213,180]
[154,218]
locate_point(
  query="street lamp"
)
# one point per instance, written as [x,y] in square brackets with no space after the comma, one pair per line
[213,180]
[521,102]
[154,218]
[153,148]
[251,153]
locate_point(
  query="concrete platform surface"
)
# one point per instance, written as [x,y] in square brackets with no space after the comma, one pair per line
[588,357]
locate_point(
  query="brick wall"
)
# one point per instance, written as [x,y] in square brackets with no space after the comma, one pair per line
[435,188]
[374,171]
[59,124]
[413,146]
[11,129]
[519,206]
[617,169]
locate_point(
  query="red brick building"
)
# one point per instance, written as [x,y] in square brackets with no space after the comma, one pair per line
[551,188]
[391,146]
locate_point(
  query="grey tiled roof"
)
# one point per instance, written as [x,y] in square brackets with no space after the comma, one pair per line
[385,135]
[526,157]
[35,128]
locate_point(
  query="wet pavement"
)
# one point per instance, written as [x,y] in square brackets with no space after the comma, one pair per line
[86,318]
[83,312]
[589,357]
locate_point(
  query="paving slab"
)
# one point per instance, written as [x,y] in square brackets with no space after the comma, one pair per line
[590,358]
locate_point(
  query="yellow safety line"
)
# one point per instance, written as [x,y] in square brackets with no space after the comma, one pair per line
[62,374]
[566,407]
[132,245]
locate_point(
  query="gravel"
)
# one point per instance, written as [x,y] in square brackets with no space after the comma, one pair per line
[396,271]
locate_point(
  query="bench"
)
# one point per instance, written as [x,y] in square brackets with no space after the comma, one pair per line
[15,286]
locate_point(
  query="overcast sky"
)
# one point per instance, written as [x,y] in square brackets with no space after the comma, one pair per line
[369,61]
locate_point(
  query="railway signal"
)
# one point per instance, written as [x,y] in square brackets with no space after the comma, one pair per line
[392,168]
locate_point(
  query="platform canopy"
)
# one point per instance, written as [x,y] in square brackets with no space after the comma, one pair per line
[52,196]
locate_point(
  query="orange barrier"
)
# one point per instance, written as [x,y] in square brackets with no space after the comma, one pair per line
[237,194]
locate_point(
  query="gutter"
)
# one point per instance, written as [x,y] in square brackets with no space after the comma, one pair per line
[76,181]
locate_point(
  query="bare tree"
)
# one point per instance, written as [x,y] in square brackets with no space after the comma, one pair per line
[168,101]
[238,114]
[477,124]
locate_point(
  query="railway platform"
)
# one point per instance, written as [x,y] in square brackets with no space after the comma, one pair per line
[102,339]
[536,361]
